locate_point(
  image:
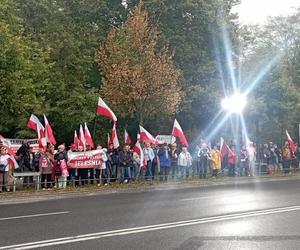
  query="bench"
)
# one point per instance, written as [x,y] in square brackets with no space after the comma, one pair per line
[28,174]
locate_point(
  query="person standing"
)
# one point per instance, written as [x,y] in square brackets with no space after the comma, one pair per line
[164,155]
[82,172]
[126,161]
[113,162]
[184,162]
[101,171]
[231,160]
[61,169]
[154,165]
[215,161]
[204,158]
[244,162]
[24,160]
[148,156]
[286,157]
[252,159]
[45,169]
[4,170]
[278,157]
[174,155]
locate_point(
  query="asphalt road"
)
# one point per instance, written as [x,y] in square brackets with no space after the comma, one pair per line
[260,215]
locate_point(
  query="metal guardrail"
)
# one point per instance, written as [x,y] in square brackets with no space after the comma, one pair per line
[261,169]
[28,174]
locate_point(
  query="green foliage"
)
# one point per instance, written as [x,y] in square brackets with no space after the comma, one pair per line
[23,73]
[275,100]
[70,31]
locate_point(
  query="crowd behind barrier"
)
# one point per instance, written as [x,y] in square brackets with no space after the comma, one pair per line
[79,166]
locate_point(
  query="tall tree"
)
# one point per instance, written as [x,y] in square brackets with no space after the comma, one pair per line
[71,32]
[275,99]
[140,81]
[23,73]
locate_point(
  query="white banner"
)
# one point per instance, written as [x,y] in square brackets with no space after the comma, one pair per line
[87,159]
[165,139]
[15,144]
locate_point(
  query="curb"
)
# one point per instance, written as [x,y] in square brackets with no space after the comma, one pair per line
[38,196]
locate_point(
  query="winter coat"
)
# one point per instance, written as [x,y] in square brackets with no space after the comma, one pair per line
[45,164]
[184,159]
[59,157]
[165,157]
[113,156]
[126,159]
[231,157]
[215,159]
[286,153]
[4,161]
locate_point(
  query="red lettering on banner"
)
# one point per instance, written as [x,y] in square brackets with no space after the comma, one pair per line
[89,159]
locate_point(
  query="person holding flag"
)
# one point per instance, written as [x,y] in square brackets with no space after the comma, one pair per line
[149,156]
[165,157]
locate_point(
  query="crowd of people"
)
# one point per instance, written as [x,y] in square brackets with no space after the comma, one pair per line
[160,162]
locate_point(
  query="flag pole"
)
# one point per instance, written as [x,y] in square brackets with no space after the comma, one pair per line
[95,124]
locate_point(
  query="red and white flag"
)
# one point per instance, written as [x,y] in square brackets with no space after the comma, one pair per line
[128,140]
[223,148]
[137,148]
[82,138]
[49,132]
[103,109]
[6,145]
[87,136]
[146,136]
[35,124]
[76,140]
[291,142]
[12,161]
[114,137]
[177,132]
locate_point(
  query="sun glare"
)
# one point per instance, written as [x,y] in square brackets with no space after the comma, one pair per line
[235,103]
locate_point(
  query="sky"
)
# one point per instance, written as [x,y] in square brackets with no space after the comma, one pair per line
[257,11]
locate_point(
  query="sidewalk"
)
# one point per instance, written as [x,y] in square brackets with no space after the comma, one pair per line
[28,196]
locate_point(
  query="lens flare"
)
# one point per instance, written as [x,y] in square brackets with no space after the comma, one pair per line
[234,104]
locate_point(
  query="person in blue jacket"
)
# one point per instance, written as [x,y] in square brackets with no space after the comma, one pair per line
[165,159]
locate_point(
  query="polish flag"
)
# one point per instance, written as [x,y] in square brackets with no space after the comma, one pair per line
[223,147]
[76,140]
[137,148]
[127,138]
[49,132]
[291,142]
[146,136]
[6,145]
[104,110]
[12,161]
[82,138]
[177,132]
[42,142]
[87,136]
[35,124]
[114,137]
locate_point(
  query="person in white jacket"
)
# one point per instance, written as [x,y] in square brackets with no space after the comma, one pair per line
[184,162]
[4,170]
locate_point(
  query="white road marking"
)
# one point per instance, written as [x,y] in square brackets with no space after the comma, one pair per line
[134,230]
[209,197]
[34,215]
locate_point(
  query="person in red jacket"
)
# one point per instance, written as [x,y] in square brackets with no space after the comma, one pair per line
[232,160]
